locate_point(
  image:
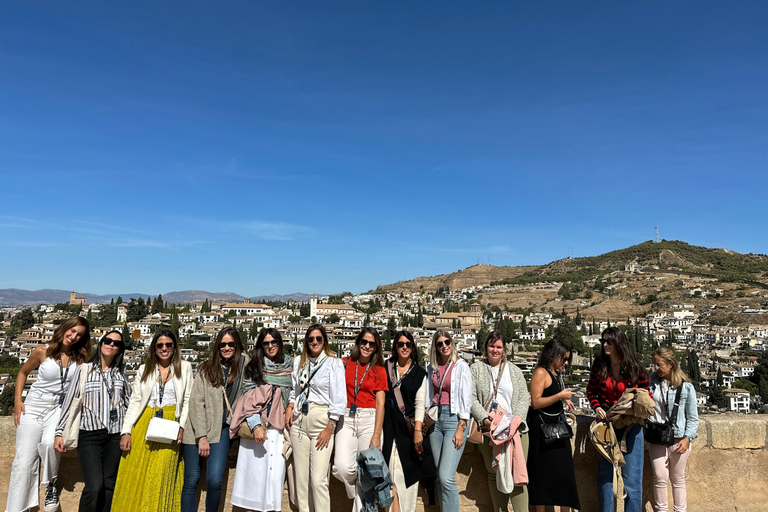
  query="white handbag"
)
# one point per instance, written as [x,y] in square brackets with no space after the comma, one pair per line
[162,431]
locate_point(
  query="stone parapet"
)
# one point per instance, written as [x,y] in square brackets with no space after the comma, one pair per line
[727,470]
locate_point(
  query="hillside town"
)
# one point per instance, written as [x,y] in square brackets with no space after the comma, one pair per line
[721,359]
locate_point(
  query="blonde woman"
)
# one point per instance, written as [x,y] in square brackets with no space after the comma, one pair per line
[668,462]
[36,418]
[449,391]
[151,474]
[317,401]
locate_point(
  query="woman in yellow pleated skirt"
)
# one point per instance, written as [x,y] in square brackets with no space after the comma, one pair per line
[151,474]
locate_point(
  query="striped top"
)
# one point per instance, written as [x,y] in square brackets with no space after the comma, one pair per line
[96,402]
[605,393]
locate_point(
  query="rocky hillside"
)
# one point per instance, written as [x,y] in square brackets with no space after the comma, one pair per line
[472,276]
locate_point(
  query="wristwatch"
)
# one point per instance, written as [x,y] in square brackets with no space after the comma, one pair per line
[463,423]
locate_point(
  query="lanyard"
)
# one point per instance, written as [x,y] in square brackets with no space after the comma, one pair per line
[359,385]
[399,380]
[63,376]
[110,390]
[311,374]
[161,386]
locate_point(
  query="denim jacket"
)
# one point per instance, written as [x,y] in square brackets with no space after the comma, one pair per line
[687,413]
[375,482]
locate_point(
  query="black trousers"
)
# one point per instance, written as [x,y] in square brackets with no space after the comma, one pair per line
[99,455]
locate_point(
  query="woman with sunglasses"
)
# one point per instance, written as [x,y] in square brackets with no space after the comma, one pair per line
[317,401]
[98,401]
[615,370]
[449,390]
[215,391]
[261,467]
[36,418]
[408,456]
[668,462]
[363,422]
[151,474]
[511,395]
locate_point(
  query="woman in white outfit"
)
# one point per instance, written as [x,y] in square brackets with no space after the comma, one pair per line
[317,401]
[260,473]
[36,418]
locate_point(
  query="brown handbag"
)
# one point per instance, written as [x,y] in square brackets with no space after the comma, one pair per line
[475,433]
[410,421]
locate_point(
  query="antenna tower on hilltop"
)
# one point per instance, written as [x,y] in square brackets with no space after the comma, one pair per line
[658,238]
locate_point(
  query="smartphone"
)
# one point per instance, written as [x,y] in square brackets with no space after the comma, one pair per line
[575,390]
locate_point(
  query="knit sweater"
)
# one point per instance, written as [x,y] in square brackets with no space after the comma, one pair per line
[483,388]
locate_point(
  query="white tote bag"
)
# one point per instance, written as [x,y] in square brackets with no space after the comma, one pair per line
[162,431]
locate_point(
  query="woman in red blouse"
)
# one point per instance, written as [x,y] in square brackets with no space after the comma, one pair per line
[362,424]
[616,369]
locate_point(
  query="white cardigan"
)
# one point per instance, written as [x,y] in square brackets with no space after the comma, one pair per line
[461,388]
[142,390]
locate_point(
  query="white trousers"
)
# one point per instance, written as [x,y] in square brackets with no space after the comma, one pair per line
[310,465]
[406,496]
[34,443]
[353,435]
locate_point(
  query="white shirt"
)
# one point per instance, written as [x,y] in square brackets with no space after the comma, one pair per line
[327,387]
[504,395]
[169,395]
[660,396]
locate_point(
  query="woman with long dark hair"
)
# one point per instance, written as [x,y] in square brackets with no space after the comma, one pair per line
[151,474]
[261,466]
[615,370]
[316,402]
[499,384]
[552,481]
[36,418]
[409,458]
[363,422]
[668,462]
[97,401]
[215,391]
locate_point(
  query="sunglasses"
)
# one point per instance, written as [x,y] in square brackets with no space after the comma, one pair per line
[366,342]
[404,344]
[110,341]
[231,344]
[606,342]
[318,339]
[164,345]
[268,343]
[440,343]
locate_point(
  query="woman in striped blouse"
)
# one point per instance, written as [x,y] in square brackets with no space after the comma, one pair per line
[100,397]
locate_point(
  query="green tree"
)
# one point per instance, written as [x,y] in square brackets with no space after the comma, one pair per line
[567,332]
[10,364]
[763,389]
[717,397]
[21,321]
[7,399]
[119,300]
[387,341]
[333,318]
[719,378]
[157,305]
[746,385]
[481,336]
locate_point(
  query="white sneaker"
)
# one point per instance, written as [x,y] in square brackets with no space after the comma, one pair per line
[51,498]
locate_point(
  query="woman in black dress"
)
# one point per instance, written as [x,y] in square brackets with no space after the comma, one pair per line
[550,467]
[408,456]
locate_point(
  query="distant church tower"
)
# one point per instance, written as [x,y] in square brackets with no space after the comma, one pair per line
[313,306]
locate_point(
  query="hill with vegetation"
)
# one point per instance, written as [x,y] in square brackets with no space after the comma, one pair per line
[476,275]
[723,264]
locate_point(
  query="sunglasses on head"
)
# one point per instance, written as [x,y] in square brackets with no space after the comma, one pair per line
[440,343]
[268,343]
[311,339]
[164,345]
[228,344]
[404,344]
[368,343]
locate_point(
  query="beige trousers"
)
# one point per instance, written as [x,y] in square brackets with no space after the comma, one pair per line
[310,465]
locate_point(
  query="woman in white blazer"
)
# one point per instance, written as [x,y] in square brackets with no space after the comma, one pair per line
[150,475]
[449,398]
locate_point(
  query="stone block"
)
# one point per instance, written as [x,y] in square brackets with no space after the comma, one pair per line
[736,432]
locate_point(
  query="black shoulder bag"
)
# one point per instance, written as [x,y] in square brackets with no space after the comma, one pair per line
[560,429]
[664,433]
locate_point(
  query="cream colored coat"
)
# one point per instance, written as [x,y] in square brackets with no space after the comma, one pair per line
[182,387]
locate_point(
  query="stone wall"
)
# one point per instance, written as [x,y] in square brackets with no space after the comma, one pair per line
[727,470]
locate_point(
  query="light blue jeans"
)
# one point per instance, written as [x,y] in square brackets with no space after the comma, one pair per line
[632,473]
[447,457]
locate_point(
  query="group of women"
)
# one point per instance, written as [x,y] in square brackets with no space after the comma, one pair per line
[290,413]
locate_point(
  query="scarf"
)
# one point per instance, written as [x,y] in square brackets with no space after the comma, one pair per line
[279,374]
[304,375]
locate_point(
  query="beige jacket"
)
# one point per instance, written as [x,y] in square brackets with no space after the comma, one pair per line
[142,390]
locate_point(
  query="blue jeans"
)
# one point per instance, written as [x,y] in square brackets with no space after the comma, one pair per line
[447,457]
[214,474]
[632,473]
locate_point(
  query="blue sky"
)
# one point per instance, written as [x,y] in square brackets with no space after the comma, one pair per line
[273,147]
